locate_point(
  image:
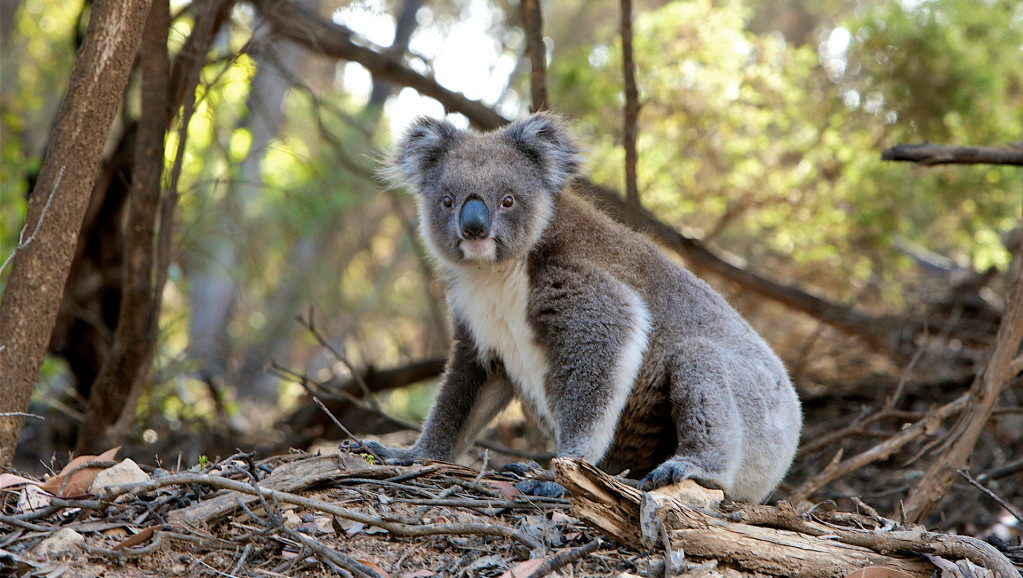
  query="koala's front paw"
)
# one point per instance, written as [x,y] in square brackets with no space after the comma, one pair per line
[674,471]
[390,456]
[541,488]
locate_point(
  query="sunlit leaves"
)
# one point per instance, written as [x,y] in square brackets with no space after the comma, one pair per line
[770,149]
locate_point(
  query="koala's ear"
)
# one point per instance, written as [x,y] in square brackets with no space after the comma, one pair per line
[546,140]
[418,150]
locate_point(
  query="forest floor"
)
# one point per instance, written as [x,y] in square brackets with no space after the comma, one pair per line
[330,515]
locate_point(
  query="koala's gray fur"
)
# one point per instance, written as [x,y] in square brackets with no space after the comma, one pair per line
[625,358]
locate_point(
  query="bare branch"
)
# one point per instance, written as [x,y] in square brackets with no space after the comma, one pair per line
[928,154]
[22,242]
[532,23]
[320,35]
[632,206]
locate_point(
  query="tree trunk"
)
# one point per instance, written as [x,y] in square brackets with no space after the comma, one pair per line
[135,336]
[40,268]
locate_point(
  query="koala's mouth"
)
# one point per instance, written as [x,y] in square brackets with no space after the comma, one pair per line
[479,249]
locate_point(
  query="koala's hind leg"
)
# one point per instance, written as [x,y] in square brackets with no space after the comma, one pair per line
[708,423]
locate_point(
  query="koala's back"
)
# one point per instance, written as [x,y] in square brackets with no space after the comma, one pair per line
[686,315]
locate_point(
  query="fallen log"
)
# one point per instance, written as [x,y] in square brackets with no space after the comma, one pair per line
[773,540]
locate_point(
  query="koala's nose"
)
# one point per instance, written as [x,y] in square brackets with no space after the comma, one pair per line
[474,220]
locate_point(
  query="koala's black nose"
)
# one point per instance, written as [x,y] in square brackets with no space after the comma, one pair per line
[474,220]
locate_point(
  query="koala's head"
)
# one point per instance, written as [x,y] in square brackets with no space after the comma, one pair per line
[485,197]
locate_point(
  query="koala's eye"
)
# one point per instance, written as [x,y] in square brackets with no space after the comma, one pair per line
[507,201]
[447,202]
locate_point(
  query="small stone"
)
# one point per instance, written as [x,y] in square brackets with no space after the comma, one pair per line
[126,472]
[62,541]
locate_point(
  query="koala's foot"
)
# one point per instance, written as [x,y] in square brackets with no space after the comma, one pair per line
[534,486]
[390,456]
[541,488]
[675,470]
[518,469]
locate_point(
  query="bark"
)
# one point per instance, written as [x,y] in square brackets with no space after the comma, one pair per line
[928,154]
[38,272]
[135,336]
[631,133]
[772,540]
[532,24]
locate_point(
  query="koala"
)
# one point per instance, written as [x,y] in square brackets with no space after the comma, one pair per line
[623,357]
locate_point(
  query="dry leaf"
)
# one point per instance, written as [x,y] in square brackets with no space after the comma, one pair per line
[9,480]
[373,566]
[80,480]
[506,489]
[524,569]
[423,573]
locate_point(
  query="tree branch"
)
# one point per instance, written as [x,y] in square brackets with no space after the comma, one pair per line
[532,24]
[631,121]
[928,154]
[308,29]
[31,299]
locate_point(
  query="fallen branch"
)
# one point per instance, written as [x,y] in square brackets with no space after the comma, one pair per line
[929,154]
[780,543]
[837,469]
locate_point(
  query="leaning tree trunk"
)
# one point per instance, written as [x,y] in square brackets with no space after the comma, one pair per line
[56,208]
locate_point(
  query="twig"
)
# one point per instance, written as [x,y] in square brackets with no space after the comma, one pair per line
[25,243]
[563,559]
[19,413]
[348,432]
[987,492]
[396,528]
[881,451]
[322,340]
[1002,471]
[342,560]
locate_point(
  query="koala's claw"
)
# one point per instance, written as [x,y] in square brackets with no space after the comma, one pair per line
[389,456]
[673,472]
[541,488]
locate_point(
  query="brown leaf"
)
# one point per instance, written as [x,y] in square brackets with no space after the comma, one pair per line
[422,573]
[80,480]
[8,480]
[524,569]
[373,566]
[506,489]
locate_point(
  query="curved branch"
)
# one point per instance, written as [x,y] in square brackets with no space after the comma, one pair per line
[928,154]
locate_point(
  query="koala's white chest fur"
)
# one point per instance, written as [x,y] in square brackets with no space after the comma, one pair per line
[492,301]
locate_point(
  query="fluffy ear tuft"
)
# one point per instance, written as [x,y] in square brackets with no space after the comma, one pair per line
[417,151]
[547,141]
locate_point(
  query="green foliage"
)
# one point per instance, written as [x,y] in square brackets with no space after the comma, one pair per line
[773,150]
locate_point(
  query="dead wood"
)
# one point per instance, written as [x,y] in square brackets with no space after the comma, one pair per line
[929,154]
[780,542]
